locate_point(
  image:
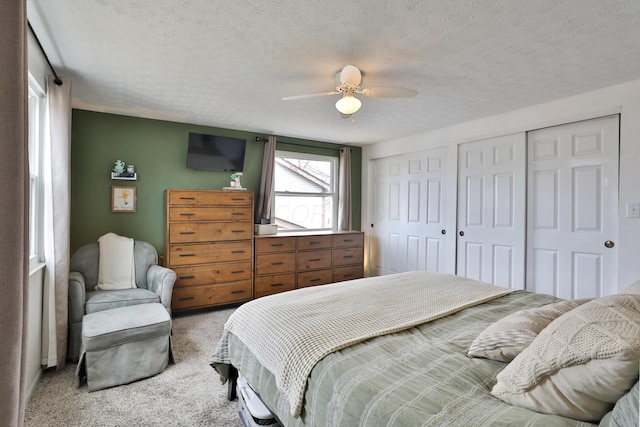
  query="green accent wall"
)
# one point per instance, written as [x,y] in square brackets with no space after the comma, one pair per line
[158,149]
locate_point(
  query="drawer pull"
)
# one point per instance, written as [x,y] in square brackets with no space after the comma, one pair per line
[277,263]
[315,260]
[347,256]
[187,198]
[187,254]
[237,272]
[187,214]
[237,213]
[237,199]
[186,298]
[347,275]
[237,231]
[187,232]
[314,280]
[275,245]
[237,292]
[348,240]
[276,284]
[187,277]
[314,243]
[237,252]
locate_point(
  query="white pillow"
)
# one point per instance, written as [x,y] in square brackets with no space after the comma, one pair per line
[116,267]
[580,364]
[506,338]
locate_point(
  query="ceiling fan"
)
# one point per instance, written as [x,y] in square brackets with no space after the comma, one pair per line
[348,84]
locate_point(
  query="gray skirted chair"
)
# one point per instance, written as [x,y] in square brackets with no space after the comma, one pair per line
[154,284]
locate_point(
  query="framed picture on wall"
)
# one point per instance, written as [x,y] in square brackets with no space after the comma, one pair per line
[123,198]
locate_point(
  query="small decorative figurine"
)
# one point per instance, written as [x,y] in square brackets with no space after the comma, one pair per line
[236,180]
[119,166]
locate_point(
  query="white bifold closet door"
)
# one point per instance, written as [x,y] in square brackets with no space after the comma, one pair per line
[408,229]
[572,215]
[491,210]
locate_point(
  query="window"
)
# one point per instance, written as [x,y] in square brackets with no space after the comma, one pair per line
[304,191]
[36,203]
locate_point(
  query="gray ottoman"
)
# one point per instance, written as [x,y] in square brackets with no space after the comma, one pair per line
[124,344]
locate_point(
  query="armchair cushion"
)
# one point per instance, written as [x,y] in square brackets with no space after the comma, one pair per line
[106,300]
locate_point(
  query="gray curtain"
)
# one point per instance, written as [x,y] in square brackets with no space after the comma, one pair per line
[14,207]
[263,208]
[57,223]
[344,194]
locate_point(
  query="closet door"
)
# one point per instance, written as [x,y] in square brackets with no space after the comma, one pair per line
[408,230]
[491,210]
[385,227]
[573,209]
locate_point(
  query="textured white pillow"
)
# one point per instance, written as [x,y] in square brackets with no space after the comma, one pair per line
[506,338]
[116,266]
[580,364]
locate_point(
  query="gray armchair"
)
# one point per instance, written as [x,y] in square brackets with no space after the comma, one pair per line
[154,284]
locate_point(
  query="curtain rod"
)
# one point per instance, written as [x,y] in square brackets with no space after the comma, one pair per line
[56,79]
[299,145]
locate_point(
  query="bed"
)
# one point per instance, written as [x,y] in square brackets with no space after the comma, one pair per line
[313,363]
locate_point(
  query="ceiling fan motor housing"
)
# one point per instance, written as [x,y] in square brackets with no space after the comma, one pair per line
[351,76]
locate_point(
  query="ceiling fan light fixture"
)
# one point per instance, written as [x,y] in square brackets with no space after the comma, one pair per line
[348,104]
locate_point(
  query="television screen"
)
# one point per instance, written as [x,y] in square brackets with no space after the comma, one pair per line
[211,152]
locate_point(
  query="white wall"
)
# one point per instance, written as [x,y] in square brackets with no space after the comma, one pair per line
[34,330]
[623,99]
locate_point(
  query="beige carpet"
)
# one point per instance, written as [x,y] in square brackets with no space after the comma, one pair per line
[188,393]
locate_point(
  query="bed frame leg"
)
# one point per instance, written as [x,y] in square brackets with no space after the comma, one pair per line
[231,383]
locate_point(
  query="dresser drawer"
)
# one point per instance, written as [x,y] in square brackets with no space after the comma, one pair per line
[275,263]
[347,256]
[202,253]
[274,283]
[212,198]
[313,260]
[341,274]
[314,242]
[207,274]
[181,232]
[348,239]
[275,244]
[227,213]
[208,295]
[314,278]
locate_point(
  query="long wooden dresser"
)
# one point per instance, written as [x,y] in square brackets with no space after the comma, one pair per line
[299,259]
[209,244]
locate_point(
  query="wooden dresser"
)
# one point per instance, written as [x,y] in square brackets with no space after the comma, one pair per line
[209,244]
[296,260]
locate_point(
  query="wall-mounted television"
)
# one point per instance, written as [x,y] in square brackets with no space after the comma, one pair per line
[218,153]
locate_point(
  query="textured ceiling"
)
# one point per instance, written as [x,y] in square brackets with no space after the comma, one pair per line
[228,63]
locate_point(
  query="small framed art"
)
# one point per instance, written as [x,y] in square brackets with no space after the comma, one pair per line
[123,199]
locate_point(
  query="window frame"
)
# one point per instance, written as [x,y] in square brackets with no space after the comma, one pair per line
[334,161]
[37,108]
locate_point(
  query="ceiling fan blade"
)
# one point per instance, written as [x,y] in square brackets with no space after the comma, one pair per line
[309,95]
[389,92]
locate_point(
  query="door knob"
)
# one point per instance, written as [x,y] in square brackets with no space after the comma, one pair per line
[461,233]
[444,231]
[609,244]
